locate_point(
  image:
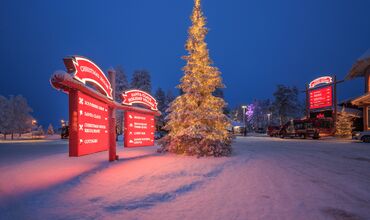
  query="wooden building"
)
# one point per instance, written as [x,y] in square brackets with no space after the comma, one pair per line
[362,69]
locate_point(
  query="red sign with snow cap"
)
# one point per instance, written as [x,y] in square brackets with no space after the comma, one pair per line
[320,80]
[137,96]
[90,125]
[84,70]
[139,129]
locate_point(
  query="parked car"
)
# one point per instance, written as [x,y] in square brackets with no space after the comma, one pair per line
[363,136]
[273,131]
[260,130]
[299,128]
[65,132]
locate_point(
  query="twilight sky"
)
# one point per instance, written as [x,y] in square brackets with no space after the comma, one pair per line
[256,44]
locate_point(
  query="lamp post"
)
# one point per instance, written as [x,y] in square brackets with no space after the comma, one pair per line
[268,118]
[34,122]
[244,107]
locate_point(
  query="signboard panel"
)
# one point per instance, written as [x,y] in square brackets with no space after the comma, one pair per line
[137,96]
[320,81]
[139,129]
[90,125]
[321,98]
[84,70]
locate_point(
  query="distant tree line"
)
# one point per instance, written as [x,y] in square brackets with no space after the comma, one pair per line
[285,106]
[15,116]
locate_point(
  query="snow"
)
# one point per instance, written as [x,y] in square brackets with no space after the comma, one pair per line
[265,178]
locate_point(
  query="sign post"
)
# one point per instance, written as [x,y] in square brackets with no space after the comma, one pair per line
[92,117]
[139,129]
[321,96]
[112,120]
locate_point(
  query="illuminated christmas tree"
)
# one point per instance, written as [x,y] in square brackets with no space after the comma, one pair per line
[196,123]
[344,124]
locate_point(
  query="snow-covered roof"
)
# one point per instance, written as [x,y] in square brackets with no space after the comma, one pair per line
[361,67]
[366,55]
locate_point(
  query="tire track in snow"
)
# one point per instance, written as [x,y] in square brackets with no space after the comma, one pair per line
[153,199]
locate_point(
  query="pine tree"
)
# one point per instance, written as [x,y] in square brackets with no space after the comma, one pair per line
[169,98]
[197,125]
[4,116]
[286,104]
[50,130]
[141,80]
[121,83]
[160,96]
[344,124]
[121,86]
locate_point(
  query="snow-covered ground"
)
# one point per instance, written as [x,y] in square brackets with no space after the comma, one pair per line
[265,178]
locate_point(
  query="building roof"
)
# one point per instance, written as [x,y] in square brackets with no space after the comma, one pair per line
[360,67]
[362,100]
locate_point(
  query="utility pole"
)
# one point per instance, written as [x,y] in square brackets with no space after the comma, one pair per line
[244,107]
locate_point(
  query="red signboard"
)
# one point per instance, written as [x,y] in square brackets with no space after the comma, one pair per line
[321,98]
[84,70]
[89,125]
[320,80]
[139,129]
[137,96]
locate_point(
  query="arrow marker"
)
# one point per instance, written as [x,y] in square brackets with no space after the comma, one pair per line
[131,125]
[81,141]
[130,116]
[81,112]
[131,141]
[81,101]
[81,127]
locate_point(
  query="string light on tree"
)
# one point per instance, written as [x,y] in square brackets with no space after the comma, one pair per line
[196,123]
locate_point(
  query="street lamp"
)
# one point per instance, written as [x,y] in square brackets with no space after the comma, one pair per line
[268,118]
[34,122]
[244,107]
[62,122]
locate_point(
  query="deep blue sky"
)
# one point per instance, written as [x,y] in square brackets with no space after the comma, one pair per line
[256,44]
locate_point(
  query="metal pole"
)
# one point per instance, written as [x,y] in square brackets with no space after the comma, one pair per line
[307,103]
[335,104]
[112,119]
[245,124]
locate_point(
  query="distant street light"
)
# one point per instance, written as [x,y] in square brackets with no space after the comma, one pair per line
[34,122]
[268,118]
[244,107]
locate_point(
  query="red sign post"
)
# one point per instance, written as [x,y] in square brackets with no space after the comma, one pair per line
[88,125]
[137,96]
[321,98]
[86,71]
[139,129]
[92,124]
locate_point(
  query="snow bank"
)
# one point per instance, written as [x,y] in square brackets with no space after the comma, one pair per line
[266,178]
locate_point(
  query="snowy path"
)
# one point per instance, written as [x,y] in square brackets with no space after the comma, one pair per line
[264,179]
